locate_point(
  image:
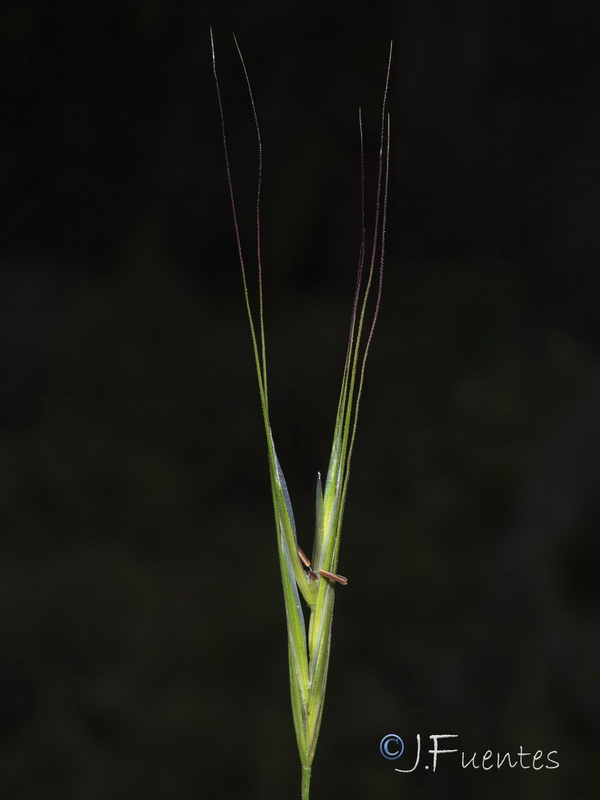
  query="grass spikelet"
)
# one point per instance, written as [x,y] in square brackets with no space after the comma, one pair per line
[315,580]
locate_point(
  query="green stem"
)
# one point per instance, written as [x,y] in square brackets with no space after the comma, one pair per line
[305,782]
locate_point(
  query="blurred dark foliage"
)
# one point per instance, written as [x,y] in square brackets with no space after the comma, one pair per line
[141,620]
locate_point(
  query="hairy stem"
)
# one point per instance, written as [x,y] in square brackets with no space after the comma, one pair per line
[306,772]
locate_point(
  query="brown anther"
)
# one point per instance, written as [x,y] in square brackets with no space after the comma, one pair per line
[333,577]
[303,558]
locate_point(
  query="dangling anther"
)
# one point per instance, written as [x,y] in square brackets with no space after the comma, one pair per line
[333,577]
[303,557]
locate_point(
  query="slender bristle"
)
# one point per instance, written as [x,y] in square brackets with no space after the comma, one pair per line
[378,246]
[258,217]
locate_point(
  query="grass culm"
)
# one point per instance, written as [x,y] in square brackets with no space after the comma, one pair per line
[315,580]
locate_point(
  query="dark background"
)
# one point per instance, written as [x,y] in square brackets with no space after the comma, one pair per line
[141,618]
